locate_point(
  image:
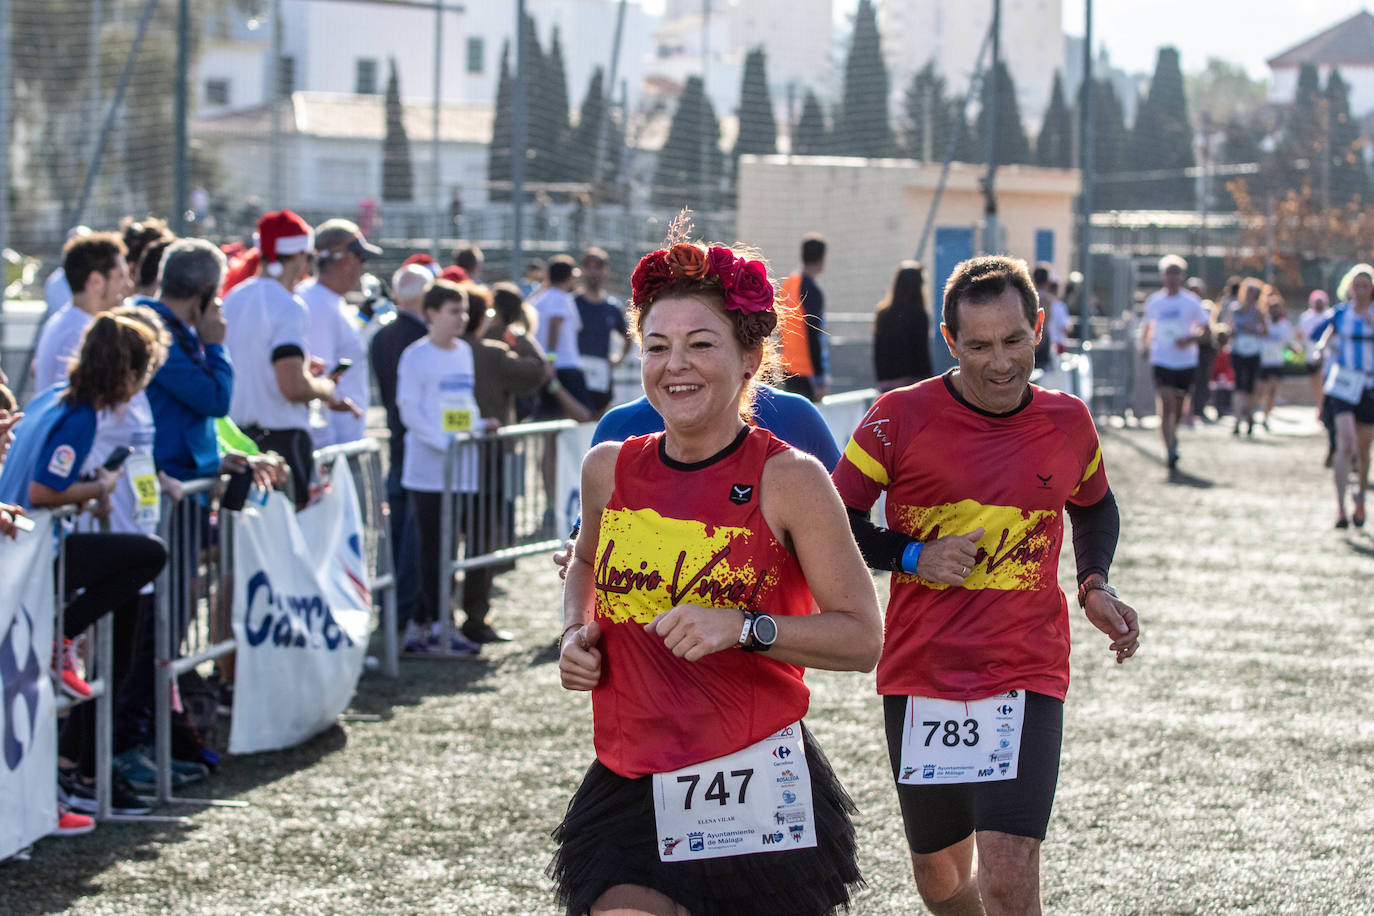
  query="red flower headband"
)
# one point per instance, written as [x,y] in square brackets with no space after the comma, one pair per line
[744,282]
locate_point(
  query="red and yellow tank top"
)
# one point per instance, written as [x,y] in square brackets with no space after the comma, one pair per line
[689,534]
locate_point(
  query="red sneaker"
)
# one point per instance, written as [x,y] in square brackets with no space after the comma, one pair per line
[70,823]
[64,659]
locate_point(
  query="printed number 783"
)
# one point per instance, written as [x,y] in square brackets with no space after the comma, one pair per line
[950,738]
[716,790]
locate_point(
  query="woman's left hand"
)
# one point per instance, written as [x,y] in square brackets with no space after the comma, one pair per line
[693,632]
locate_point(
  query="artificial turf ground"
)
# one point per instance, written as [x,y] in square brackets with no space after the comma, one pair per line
[1228,768]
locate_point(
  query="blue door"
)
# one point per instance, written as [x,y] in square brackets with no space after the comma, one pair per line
[952,245]
[1044,245]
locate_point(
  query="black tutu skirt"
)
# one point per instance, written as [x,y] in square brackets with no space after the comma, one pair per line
[609,837]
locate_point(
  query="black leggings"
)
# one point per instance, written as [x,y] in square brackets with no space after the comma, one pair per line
[476,582]
[111,568]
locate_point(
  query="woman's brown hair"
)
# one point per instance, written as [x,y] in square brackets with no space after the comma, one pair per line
[114,360]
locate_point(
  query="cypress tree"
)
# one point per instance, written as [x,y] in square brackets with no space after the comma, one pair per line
[694,135]
[861,124]
[554,95]
[398,178]
[498,155]
[925,115]
[540,128]
[581,152]
[1054,146]
[1012,144]
[1163,139]
[811,138]
[1109,145]
[758,130]
[1348,178]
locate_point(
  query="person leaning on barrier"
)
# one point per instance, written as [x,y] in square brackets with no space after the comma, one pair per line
[505,371]
[979,468]
[59,459]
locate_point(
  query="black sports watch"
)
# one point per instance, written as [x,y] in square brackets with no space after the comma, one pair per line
[763,632]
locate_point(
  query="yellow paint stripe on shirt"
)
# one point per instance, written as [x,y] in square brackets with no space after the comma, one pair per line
[1092,466]
[866,463]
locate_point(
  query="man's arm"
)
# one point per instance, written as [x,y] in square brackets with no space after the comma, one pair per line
[294,383]
[206,389]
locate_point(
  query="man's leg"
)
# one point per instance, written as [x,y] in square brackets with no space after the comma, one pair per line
[1364,434]
[1170,405]
[946,881]
[1009,873]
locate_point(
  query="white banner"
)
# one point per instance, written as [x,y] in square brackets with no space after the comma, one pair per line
[302,611]
[28,723]
[573,445]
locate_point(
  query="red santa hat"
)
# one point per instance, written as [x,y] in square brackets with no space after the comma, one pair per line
[282,233]
[455,273]
[423,260]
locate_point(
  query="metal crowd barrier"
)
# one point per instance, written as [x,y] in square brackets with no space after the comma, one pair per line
[365,461]
[194,593]
[499,498]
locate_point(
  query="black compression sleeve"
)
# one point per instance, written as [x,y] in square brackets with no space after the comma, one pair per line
[1096,529]
[881,547]
[286,351]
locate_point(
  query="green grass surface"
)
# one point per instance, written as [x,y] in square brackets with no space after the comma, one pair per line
[1225,769]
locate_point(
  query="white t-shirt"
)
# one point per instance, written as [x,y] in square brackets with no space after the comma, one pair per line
[263,316]
[434,392]
[58,344]
[1307,323]
[1173,317]
[335,335]
[57,292]
[553,303]
[1280,335]
[128,424]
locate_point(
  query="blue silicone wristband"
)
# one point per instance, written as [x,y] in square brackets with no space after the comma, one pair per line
[909,555]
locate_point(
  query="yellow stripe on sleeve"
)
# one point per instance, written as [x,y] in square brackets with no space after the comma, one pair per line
[869,466]
[1092,466]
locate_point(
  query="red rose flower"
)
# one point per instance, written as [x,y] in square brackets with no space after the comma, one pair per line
[751,292]
[687,260]
[652,275]
[720,263]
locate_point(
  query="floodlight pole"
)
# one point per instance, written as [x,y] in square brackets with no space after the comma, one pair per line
[517,144]
[990,243]
[1085,168]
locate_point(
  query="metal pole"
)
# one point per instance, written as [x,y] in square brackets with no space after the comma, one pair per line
[181,177]
[1269,239]
[434,146]
[93,72]
[4,147]
[275,183]
[1085,167]
[606,95]
[705,63]
[1206,149]
[517,145]
[990,244]
[110,113]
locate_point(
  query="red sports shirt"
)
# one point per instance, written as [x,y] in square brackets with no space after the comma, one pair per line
[689,534]
[949,468]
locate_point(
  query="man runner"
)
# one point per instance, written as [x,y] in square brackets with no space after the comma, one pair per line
[979,468]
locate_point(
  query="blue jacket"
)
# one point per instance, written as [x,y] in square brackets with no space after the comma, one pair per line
[188,393]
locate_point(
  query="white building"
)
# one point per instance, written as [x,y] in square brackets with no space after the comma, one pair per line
[1032,46]
[797,37]
[331,152]
[1347,46]
[345,46]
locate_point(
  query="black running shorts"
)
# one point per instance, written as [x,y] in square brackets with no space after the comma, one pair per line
[940,816]
[1178,379]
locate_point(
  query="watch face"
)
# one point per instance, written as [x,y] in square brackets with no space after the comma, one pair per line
[765,630]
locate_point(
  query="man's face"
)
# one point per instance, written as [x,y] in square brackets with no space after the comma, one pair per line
[347,264]
[594,273]
[995,348]
[114,284]
[1173,279]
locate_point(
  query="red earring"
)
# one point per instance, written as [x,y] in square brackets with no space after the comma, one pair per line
[748,376]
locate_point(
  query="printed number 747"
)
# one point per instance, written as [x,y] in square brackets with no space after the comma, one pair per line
[716,790]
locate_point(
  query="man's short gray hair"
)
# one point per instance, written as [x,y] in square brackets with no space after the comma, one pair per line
[190,268]
[410,282]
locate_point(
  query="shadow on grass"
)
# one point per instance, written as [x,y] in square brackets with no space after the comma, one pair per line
[1180,478]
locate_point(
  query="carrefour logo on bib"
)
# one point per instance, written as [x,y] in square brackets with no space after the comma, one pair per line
[292,621]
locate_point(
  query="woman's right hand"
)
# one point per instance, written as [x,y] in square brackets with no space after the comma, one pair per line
[579,660]
[108,480]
